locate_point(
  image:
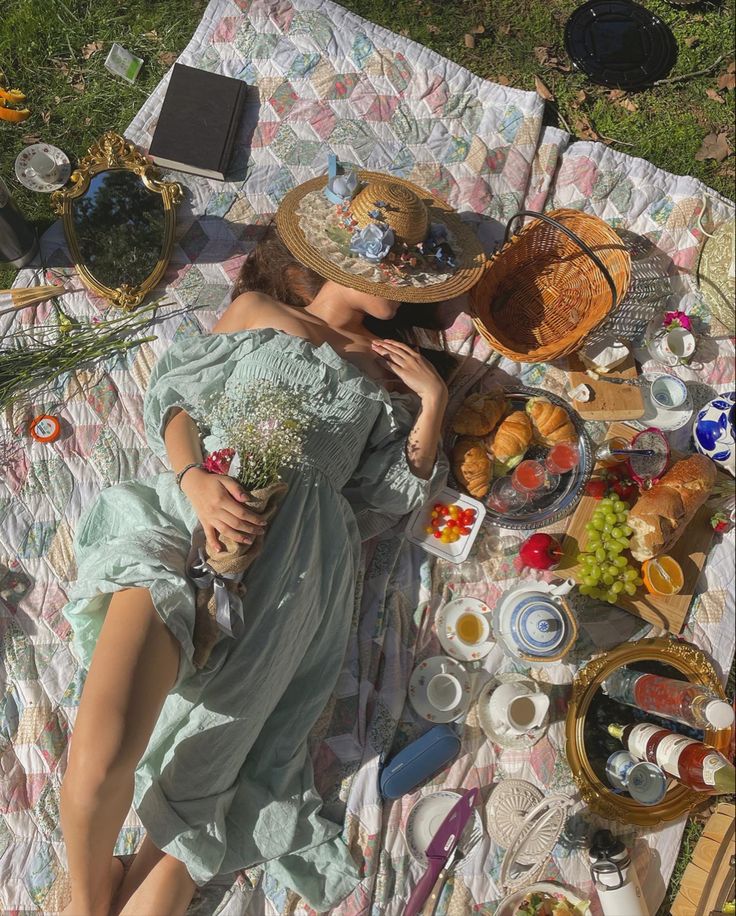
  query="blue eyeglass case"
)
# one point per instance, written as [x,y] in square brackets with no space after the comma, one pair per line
[419,761]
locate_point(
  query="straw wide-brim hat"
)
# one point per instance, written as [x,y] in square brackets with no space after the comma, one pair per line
[312,228]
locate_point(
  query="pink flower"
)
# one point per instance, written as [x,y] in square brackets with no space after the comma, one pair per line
[677,320]
[219,462]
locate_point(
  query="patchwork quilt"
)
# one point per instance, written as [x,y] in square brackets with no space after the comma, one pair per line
[324,80]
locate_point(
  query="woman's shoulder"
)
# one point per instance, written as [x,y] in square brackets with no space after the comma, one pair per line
[252,310]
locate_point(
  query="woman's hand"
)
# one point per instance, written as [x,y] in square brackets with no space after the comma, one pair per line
[413,369]
[218,501]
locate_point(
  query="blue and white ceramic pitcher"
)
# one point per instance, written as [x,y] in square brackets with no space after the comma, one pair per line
[533,624]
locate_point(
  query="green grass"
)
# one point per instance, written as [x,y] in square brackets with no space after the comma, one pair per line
[73,100]
[671,120]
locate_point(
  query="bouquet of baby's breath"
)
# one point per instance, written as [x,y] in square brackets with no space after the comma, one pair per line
[263,425]
[256,432]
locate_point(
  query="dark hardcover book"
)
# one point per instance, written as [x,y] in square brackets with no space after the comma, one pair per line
[198,122]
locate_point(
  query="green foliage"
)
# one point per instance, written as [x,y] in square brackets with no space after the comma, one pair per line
[73,98]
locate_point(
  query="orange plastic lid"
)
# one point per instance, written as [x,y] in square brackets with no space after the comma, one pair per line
[44,428]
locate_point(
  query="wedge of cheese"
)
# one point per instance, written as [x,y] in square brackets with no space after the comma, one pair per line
[604,355]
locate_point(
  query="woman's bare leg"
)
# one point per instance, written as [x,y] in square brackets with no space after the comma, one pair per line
[146,857]
[167,888]
[133,668]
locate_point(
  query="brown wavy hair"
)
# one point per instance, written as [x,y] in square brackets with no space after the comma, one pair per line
[272,269]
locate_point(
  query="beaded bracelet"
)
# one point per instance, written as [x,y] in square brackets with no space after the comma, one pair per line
[187,467]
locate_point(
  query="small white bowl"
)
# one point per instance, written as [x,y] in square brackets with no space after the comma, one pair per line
[458,551]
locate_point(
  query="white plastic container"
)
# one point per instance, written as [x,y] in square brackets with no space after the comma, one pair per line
[458,551]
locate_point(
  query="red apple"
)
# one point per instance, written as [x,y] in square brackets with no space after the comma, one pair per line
[540,551]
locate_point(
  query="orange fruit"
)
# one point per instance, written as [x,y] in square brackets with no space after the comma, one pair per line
[13,114]
[662,576]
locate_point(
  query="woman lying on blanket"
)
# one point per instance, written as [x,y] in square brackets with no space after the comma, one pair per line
[215,757]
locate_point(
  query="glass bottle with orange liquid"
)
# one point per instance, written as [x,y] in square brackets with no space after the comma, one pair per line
[694,764]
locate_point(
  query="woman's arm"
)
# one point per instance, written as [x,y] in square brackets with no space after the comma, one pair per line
[421,377]
[181,437]
[424,437]
[216,498]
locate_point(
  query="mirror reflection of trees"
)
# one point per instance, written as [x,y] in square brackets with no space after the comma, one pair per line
[119,225]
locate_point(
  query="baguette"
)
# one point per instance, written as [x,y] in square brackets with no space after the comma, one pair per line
[661,514]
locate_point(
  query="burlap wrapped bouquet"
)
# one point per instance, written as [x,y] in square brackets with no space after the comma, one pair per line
[263,427]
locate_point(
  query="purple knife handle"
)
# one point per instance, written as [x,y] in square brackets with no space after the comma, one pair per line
[424,887]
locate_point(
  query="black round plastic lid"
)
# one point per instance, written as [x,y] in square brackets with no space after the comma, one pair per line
[620,44]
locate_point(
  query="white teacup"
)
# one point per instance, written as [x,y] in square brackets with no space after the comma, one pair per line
[42,167]
[677,345]
[516,709]
[668,392]
[444,691]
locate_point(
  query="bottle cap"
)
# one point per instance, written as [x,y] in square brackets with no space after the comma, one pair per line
[44,428]
[719,714]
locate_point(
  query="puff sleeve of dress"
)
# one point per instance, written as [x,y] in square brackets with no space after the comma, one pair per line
[383,487]
[190,373]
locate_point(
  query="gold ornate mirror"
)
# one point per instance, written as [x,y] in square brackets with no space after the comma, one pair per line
[589,710]
[119,221]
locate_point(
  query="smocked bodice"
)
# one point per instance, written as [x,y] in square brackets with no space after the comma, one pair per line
[343,404]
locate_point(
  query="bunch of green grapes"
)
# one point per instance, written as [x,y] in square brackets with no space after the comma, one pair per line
[605,573]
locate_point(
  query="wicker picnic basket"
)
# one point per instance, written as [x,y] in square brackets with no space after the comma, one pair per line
[550,285]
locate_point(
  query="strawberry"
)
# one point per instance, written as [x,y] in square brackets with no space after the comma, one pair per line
[626,490]
[596,488]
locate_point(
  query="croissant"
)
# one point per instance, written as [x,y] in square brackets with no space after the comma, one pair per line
[513,437]
[479,414]
[472,466]
[552,424]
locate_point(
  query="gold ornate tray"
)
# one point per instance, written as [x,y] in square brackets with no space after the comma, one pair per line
[668,657]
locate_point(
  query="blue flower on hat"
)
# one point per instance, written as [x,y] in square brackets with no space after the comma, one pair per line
[340,188]
[444,254]
[373,242]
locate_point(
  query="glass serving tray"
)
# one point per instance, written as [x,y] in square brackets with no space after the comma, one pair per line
[558,504]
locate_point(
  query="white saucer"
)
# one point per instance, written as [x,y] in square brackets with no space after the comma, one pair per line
[445,620]
[666,420]
[509,905]
[424,821]
[490,726]
[33,183]
[421,676]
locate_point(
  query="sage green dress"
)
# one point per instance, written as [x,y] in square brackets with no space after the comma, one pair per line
[226,781]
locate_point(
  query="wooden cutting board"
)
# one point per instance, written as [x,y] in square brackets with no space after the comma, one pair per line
[710,879]
[690,551]
[608,402]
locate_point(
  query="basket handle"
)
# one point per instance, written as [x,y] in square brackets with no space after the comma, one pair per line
[570,234]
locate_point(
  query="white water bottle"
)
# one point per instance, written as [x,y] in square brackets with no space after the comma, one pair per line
[615,877]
